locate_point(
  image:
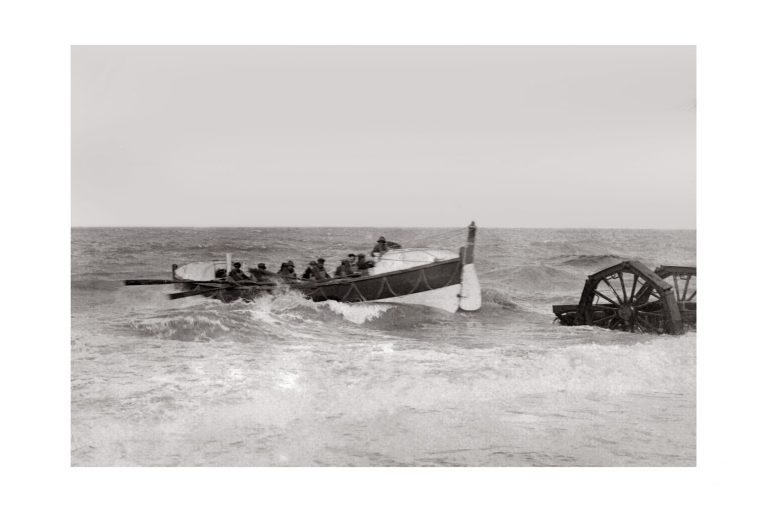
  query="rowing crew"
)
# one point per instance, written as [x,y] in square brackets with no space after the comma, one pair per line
[352,266]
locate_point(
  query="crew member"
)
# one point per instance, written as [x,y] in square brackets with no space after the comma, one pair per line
[261,273]
[236,274]
[383,246]
[352,259]
[321,268]
[343,270]
[363,265]
[287,270]
[310,271]
[380,247]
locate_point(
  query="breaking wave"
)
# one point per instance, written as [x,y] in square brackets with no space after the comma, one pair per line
[282,316]
[492,296]
[595,261]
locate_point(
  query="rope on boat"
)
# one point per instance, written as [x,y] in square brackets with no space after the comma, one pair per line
[349,290]
[362,297]
[381,288]
[421,275]
[389,287]
[418,280]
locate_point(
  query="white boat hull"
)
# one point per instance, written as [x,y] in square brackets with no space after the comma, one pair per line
[446,298]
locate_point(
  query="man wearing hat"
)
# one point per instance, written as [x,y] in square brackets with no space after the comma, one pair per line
[261,273]
[236,274]
[352,259]
[363,265]
[383,246]
[343,270]
[321,268]
[310,271]
[288,270]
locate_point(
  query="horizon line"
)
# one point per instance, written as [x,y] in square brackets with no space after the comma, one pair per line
[94,226]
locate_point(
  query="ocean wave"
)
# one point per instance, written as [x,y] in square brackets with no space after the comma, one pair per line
[283,316]
[492,296]
[596,261]
[537,278]
[184,326]
[359,313]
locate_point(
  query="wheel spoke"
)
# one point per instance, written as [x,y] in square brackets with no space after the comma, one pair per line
[645,305]
[604,319]
[692,296]
[646,325]
[623,288]
[612,288]
[634,284]
[648,313]
[685,289]
[605,297]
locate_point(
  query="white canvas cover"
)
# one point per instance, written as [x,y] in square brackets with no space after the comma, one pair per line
[399,259]
[199,271]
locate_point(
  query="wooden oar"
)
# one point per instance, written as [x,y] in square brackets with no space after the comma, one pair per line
[190,293]
[219,286]
[140,282]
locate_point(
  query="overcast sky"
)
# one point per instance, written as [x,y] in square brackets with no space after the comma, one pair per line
[510,136]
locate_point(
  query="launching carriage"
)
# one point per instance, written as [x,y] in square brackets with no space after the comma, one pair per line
[631,297]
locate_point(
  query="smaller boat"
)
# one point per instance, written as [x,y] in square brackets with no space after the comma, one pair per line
[435,278]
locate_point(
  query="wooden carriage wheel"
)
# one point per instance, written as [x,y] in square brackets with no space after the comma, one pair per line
[630,297]
[683,280]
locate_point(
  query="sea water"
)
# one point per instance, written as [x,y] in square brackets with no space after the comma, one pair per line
[285,381]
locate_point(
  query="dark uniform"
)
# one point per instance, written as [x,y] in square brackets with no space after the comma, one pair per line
[310,271]
[261,273]
[380,247]
[383,246]
[288,270]
[321,268]
[236,274]
[363,265]
[344,269]
[352,259]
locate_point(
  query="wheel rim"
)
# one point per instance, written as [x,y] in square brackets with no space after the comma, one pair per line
[626,300]
[683,282]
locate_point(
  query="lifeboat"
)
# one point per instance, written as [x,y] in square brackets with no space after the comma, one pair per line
[436,278]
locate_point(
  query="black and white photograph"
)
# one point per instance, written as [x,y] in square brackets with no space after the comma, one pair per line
[361,256]
[383,256]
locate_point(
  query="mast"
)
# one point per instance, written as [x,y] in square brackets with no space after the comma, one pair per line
[470,297]
[469,249]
